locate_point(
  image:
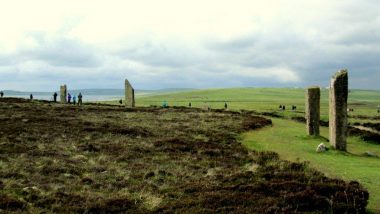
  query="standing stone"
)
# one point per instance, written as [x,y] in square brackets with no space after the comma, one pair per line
[338,110]
[312,111]
[63,93]
[129,95]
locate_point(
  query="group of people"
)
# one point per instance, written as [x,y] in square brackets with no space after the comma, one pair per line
[69,97]
[74,99]
[282,107]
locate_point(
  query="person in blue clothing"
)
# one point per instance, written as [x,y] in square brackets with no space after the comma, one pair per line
[69,98]
[79,99]
[165,104]
[74,99]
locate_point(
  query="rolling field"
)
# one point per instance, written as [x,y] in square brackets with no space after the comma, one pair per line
[288,138]
[263,99]
[106,158]
[58,158]
[365,103]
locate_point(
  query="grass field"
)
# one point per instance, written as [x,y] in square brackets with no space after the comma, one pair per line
[364,102]
[288,138]
[58,158]
[102,158]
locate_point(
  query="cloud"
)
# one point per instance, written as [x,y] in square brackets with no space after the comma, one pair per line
[170,43]
[163,55]
[68,53]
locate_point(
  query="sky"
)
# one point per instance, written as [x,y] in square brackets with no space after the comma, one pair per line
[187,44]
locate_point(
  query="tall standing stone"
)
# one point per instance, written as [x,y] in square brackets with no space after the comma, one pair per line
[312,110]
[338,110]
[63,93]
[129,95]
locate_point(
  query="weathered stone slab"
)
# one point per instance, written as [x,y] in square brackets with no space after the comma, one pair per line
[338,110]
[129,95]
[63,93]
[312,110]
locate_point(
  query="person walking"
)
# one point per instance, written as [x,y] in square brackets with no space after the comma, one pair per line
[74,99]
[69,98]
[79,99]
[1,94]
[55,96]
[31,96]
[165,104]
[225,106]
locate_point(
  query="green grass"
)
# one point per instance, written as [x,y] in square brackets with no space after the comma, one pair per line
[364,102]
[57,158]
[289,139]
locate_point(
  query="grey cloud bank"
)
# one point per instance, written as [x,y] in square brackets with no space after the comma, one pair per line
[285,48]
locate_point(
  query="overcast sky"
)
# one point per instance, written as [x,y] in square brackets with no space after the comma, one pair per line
[187,44]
